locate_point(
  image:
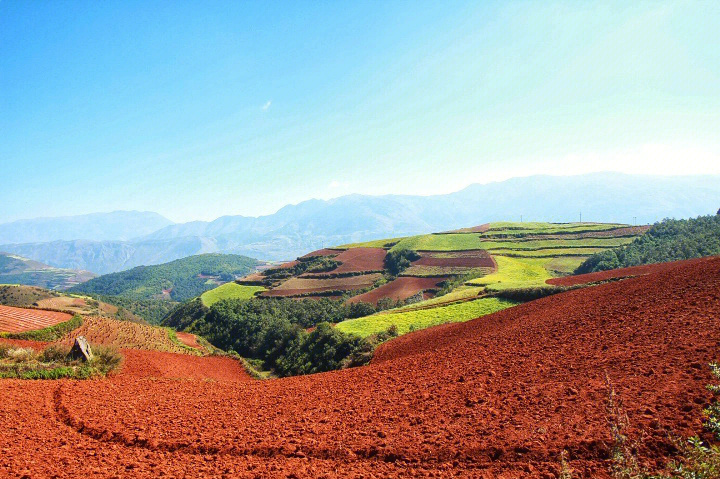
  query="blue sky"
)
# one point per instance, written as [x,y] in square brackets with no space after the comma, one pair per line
[200,109]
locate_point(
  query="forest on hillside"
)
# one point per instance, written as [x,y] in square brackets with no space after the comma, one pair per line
[668,240]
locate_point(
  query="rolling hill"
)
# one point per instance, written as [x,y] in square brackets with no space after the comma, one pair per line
[500,396]
[174,281]
[22,296]
[376,290]
[15,269]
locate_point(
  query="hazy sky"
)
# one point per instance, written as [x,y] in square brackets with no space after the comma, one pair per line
[199,109]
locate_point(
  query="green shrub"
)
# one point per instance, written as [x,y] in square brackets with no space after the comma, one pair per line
[397,260]
[668,240]
[530,293]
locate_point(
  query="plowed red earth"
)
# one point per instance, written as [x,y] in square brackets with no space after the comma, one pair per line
[188,340]
[500,396]
[399,289]
[619,273]
[17,320]
[473,259]
[322,252]
[357,260]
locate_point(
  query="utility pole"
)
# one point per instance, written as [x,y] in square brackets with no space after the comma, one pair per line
[520,218]
[581,217]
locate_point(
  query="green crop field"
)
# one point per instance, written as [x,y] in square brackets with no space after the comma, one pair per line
[423,271]
[229,291]
[512,228]
[547,253]
[522,244]
[424,318]
[441,242]
[461,293]
[382,243]
[564,264]
[515,273]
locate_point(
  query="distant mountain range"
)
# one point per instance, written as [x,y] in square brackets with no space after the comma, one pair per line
[296,229]
[118,225]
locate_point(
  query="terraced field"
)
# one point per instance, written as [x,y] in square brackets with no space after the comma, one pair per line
[299,286]
[359,260]
[18,320]
[400,289]
[462,265]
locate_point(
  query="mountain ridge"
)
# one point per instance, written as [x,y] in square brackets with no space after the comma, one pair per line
[312,224]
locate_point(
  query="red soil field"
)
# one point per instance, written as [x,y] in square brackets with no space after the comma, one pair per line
[122,334]
[17,320]
[473,229]
[356,260]
[156,364]
[619,273]
[500,396]
[253,278]
[474,259]
[399,289]
[322,252]
[287,265]
[299,286]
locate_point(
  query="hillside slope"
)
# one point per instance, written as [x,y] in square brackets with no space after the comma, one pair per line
[668,240]
[15,269]
[33,297]
[177,280]
[503,396]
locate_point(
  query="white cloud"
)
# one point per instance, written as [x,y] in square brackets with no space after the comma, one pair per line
[267,105]
[335,184]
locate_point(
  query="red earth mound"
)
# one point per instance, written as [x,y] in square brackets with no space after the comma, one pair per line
[501,396]
[17,320]
[399,289]
[619,273]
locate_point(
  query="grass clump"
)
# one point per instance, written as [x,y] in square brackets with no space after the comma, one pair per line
[55,362]
[52,333]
